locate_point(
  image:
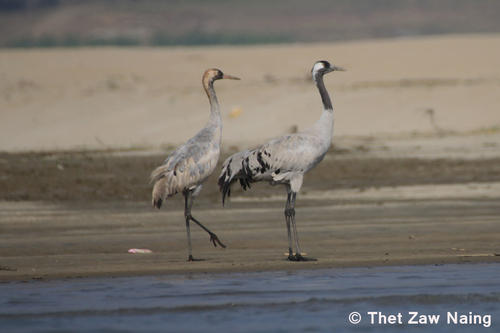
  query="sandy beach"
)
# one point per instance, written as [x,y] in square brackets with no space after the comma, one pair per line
[412,177]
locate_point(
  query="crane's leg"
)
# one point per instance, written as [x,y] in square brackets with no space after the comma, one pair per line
[288,229]
[187,215]
[298,256]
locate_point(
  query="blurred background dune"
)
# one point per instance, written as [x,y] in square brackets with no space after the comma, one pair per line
[114,74]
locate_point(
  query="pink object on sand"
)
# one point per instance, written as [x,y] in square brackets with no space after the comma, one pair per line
[139,251]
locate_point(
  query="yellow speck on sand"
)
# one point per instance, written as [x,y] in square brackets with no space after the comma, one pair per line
[235,112]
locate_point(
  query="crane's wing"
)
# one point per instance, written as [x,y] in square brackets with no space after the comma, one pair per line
[188,166]
[276,161]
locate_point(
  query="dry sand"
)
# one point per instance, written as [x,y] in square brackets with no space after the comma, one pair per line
[399,103]
[148,97]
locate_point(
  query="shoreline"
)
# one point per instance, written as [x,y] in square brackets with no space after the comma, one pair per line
[201,271]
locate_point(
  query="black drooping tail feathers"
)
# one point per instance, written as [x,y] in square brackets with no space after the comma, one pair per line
[235,168]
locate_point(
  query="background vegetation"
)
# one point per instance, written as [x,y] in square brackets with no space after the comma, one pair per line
[71,23]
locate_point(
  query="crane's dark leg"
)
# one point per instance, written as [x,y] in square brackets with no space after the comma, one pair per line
[298,256]
[187,214]
[289,231]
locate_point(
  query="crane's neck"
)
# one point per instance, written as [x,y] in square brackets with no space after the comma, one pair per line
[215,121]
[324,126]
[325,98]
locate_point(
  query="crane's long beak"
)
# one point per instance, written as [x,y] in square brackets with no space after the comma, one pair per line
[225,76]
[336,68]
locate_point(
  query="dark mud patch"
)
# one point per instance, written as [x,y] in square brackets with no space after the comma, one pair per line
[112,176]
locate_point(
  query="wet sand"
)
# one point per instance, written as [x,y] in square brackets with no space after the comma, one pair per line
[42,241]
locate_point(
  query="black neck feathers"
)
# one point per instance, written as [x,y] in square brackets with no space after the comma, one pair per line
[325,98]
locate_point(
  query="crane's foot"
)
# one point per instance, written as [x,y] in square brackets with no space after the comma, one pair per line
[193,259]
[214,239]
[299,257]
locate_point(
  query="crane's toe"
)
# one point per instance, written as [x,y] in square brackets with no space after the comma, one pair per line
[193,259]
[299,257]
[214,239]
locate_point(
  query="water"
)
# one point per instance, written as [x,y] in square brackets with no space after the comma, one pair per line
[297,301]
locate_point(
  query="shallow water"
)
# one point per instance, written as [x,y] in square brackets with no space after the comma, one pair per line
[297,301]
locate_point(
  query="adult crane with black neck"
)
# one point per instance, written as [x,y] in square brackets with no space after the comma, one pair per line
[285,160]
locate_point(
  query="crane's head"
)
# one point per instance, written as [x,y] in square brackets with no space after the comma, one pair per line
[213,74]
[322,67]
